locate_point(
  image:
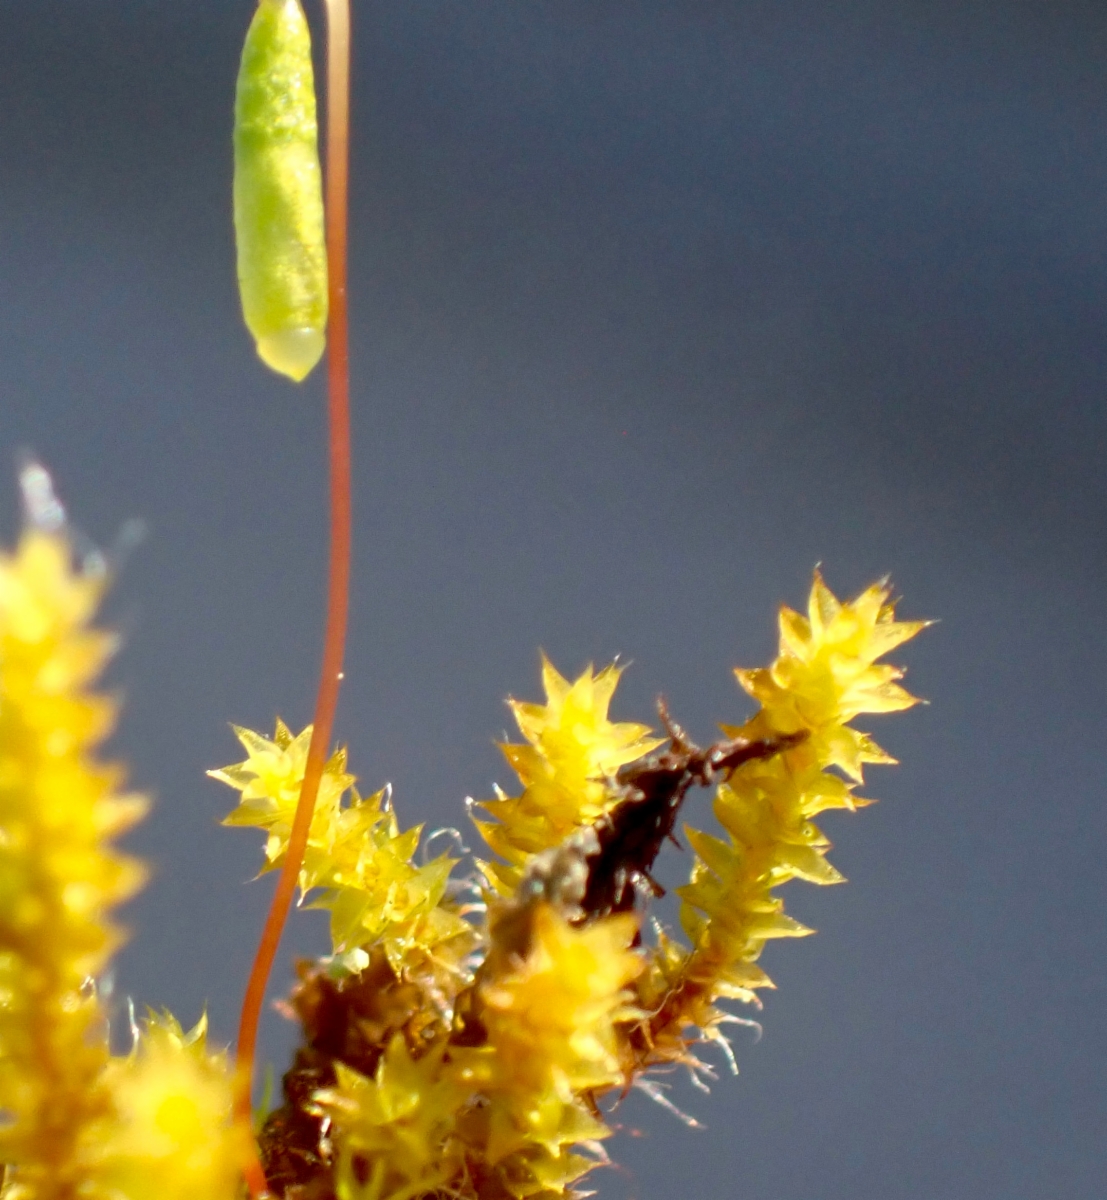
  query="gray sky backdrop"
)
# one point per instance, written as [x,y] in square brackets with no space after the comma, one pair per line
[655,305]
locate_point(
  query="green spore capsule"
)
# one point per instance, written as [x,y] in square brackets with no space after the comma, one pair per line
[278,194]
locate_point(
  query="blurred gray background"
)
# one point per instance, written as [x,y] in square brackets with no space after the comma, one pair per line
[655,305]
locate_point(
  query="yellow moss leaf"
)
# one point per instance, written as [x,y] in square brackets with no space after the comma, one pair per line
[572,753]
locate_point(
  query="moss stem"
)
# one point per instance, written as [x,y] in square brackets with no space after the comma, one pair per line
[338,580]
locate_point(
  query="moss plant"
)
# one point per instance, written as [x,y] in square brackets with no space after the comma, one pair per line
[474,1023]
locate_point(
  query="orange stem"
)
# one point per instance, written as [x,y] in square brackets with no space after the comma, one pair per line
[338,579]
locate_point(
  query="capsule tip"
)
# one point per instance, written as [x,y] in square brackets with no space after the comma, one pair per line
[292,352]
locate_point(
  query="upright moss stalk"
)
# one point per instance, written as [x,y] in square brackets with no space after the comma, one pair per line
[155,1124]
[338,577]
[60,878]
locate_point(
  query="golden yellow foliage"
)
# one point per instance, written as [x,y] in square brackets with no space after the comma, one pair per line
[156,1124]
[171,1135]
[59,876]
[446,1052]
[552,1021]
[825,674]
[400,1124]
[269,779]
[356,855]
[571,754]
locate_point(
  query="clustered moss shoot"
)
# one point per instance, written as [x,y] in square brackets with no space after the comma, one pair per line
[471,1017]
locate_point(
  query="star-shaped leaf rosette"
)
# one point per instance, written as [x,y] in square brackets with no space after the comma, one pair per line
[469,1030]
